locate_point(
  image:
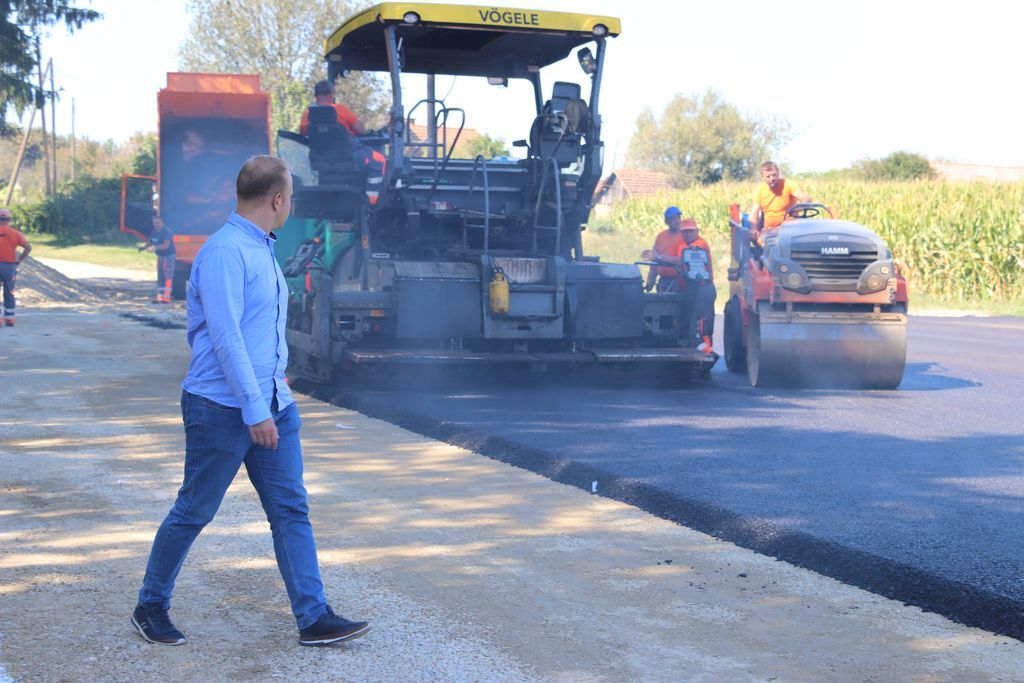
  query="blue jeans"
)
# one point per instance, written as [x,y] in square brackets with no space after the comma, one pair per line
[217,442]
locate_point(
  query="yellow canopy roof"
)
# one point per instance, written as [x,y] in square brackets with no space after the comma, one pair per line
[463,39]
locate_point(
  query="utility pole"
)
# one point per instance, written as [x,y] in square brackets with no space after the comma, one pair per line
[42,119]
[431,117]
[53,121]
[21,155]
[74,159]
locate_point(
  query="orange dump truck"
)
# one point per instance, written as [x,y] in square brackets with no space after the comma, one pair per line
[209,124]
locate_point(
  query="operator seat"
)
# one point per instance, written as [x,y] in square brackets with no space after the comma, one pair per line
[563,122]
[341,179]
[331,152]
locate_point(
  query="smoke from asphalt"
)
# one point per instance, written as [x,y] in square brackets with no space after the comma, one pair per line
[199,162]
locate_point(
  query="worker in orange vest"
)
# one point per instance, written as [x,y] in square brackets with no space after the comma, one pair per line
[665,243]
[10,240]
[692,258]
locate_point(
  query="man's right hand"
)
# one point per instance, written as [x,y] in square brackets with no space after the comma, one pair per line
[264,434]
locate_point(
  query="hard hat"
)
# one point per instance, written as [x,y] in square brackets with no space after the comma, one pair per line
[672,211]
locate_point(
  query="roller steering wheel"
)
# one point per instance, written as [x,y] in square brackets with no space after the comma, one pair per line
[808,210]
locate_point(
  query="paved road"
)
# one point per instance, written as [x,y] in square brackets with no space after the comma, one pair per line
[916,494]
[468,569]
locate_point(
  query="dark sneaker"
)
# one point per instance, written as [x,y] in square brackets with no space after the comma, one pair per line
[330,628]
[155,626]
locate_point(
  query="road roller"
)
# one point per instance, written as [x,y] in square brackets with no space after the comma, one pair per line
[816,302]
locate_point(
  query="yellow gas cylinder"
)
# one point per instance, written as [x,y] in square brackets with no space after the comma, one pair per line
[499,293]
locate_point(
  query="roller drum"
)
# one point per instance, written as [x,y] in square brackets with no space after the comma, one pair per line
[827,350]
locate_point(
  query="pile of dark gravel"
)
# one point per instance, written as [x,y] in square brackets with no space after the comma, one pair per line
[39,284]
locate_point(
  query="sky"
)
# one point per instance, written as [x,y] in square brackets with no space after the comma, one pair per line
[854,79]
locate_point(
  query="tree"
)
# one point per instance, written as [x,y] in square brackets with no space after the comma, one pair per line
[896,166]
[280,40]
[20,24]
[144,152]
[487,146]
[703,139]
[87,207]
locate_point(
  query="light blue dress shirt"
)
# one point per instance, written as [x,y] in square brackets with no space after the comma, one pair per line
[237,307]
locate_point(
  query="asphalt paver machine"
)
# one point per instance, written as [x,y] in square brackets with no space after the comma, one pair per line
[453,260]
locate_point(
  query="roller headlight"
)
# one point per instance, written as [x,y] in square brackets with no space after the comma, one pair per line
[791,276]
[875,277]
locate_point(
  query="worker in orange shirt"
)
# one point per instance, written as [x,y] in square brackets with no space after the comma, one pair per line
[774,197]
[691,257]
[323,94]
[375,162]
[663,278]
[10,240]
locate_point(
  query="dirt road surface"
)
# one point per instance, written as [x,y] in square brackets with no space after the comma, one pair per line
[469,569]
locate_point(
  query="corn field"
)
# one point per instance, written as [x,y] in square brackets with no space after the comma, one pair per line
[957,241]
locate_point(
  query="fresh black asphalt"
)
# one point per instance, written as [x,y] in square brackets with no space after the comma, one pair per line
[916,494]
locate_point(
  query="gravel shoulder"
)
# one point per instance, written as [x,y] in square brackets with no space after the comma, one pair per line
[469,569]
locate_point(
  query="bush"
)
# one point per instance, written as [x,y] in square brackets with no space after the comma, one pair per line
[896,166]
[86,209]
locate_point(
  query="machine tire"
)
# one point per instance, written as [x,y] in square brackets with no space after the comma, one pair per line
[754,370]
[735,351]
[179,287]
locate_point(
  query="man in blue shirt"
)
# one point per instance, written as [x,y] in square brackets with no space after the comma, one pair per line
[237,408]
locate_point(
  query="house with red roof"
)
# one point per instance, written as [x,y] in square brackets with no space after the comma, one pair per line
[629,183]
[418,133]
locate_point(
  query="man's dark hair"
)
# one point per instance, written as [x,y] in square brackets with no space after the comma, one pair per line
[769,164]
[261,176]
[323,88]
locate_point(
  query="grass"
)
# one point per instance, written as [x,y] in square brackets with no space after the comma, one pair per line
[922,302]
[120,255]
